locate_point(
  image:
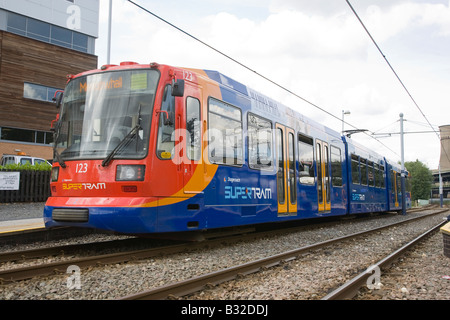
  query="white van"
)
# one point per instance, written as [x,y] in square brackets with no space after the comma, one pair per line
[22,159]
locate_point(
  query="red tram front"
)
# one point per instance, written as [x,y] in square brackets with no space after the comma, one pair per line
[118,157]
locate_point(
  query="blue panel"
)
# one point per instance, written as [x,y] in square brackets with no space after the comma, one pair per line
[226,81]
[124,220]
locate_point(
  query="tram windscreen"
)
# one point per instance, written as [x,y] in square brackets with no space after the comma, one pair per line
[99,110]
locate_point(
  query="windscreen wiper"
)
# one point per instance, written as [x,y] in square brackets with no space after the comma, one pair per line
[133,132]
[55,152]
[58,158]
[121,144]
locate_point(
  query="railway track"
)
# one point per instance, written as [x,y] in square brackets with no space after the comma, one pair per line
[351,287]
[212,279]
[42,269]
[35,270]
[20,273]
[15,272]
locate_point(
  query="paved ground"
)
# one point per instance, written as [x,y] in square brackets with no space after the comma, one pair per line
[21,210]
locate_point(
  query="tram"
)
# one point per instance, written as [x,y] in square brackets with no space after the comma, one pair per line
[149,148]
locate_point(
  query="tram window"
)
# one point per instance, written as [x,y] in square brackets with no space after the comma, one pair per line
[193,134]
[392,182]
[327,173]
[355,169]
[292,180]
[280,174]
[382,177]
[376,170]
[225,133]
[166,129]
[336,167]
[363,166]
[259,142]
[319,171]
[305,159]
[371,174]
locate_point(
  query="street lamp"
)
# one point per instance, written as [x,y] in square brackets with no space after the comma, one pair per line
[108,53]
[344,113]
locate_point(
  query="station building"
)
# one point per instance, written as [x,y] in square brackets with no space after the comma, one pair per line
[444,163]
[41,42]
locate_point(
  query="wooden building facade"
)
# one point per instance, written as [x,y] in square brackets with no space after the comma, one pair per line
[30,72]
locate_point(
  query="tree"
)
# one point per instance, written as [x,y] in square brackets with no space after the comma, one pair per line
[421,180]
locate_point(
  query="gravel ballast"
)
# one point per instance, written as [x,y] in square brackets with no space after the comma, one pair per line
[309,277]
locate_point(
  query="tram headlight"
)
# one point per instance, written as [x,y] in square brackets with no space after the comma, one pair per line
[55,174]
[130,173]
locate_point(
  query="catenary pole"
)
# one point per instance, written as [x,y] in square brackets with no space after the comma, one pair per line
[403,174]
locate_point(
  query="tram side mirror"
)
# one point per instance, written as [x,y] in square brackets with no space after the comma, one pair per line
[178,88]
[57,98]
[170,119]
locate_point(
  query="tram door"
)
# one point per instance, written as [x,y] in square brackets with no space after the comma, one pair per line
[323,176]
[396,189]
[190,119]
[286,173]
[179,143]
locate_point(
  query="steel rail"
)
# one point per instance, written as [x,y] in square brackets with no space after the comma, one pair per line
[10,256]
[351,287]
[8,276]
[23,273]
[63,249]
[199,283]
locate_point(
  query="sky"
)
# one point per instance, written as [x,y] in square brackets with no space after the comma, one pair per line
[316,49]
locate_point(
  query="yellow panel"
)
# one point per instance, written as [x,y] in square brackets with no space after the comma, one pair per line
[446,229]
[282,207]
[292,207]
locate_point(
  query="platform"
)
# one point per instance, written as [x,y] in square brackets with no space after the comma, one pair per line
[446,236]
[21,225]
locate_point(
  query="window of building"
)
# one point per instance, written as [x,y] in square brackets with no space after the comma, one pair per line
[17,24]
[46,32]
[225,133]
[79,41]
[38,92]
[38,30]
[62,37]
[259,142]
[25,135]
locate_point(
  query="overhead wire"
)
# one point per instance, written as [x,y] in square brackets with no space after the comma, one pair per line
[253,71]
[406,132]
[374,132]
[236,61]
[397,76]
[423,124]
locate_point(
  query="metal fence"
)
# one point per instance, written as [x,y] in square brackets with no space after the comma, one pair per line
[34,186]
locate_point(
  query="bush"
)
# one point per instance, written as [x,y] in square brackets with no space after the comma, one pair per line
[27,166]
